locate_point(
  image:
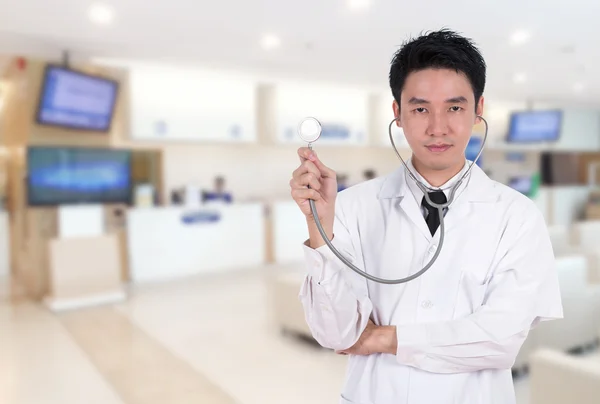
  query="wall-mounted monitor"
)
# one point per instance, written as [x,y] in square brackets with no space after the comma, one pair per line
[64,175]
[76,100]
[535,126]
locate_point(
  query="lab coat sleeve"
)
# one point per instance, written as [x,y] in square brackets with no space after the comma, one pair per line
[335,299]
[523,290]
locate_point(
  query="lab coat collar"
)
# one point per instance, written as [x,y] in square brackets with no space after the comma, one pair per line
[447,187]
[477,186]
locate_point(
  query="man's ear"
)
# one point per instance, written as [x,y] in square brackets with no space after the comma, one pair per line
[396,109]
[479,110]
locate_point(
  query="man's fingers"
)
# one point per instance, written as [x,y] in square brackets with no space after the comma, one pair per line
[309,155]
[304,153]
[308,179]
[303,194]
[306,167]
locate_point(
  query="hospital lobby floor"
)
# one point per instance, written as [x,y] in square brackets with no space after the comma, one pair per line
[201,340]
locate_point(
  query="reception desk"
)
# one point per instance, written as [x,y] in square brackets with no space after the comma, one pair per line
[171,242]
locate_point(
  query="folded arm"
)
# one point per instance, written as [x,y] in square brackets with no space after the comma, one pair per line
[523,291]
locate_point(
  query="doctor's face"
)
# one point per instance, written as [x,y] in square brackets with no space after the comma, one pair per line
[437,112]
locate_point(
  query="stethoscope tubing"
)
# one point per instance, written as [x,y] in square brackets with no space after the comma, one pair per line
[440,208]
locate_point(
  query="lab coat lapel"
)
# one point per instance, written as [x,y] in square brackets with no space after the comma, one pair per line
[409,206]
[395,188]
[457,213]
[478,188]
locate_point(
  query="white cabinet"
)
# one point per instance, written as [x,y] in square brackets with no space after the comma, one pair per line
[189,104]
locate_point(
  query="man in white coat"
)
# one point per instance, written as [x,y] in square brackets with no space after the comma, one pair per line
[451,335]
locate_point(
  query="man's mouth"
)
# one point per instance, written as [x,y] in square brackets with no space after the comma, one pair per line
[438,148]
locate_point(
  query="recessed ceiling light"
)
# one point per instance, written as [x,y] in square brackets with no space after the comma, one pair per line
[578,87]
[520,37]
[520,78]
[270,41]
[358,5]
[101,14]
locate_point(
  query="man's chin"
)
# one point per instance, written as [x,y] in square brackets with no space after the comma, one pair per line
[438,164]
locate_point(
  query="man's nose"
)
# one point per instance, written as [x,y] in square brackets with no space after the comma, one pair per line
[438,124]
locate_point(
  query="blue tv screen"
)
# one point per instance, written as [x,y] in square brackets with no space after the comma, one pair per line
[76,100]
[58,175]
[535,126]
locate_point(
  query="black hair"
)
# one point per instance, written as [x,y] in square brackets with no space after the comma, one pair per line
[443,49]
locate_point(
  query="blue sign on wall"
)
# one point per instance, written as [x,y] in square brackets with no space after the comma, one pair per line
[200,216]
[335,131]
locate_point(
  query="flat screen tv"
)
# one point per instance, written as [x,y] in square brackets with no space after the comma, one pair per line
[535,126]
[76,100]
[61,175]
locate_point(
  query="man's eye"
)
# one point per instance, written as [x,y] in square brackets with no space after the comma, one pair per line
[420,110]
[455,108]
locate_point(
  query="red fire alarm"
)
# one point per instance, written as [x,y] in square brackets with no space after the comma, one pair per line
[21,63]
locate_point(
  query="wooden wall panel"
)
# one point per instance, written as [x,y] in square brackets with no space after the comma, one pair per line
[31,229]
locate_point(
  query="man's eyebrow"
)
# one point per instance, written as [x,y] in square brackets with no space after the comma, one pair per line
[457,100]
[454,100]
[415,100]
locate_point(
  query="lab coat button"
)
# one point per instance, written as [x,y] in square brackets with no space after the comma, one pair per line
[426,304]
[432,249]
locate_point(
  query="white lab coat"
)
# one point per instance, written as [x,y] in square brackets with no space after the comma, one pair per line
[462,323]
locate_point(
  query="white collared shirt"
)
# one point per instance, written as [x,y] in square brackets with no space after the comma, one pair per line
[446,187]
[461,324]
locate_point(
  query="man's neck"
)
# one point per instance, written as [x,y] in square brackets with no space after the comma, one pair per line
[437,178]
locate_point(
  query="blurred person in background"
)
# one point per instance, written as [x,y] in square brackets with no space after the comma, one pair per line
[451,335]
[219,193]
[369,174]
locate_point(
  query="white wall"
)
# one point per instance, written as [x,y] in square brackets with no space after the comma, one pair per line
[4,245]
[580,131]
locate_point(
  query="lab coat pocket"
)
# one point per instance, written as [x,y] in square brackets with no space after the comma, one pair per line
[470,295]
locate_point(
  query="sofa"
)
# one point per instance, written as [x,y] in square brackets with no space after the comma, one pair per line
[581,307]
[585,237]
[286,309]
[559,378]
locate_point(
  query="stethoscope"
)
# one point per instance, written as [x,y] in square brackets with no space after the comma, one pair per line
[309,130]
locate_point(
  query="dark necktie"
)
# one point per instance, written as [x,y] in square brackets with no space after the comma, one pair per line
[433,217]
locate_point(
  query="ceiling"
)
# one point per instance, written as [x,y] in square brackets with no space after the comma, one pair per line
[324,39]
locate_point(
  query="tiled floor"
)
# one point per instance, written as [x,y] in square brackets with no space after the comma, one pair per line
[41,364]
[203,340]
